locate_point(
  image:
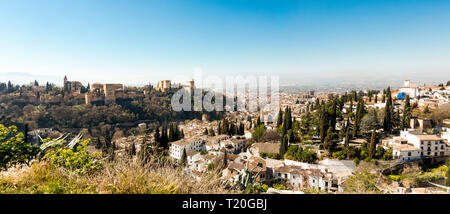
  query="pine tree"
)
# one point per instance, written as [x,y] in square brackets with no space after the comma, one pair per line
[372,145]
[376,98]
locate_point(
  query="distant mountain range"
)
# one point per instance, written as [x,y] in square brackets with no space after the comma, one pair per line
[26,78]
[330,83]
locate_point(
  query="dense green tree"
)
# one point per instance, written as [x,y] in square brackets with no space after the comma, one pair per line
[13,148]
[297,153]
[259,131]
[370,120]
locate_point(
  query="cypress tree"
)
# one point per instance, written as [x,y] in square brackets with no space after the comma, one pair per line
[347,137]
[359,115]
[157,136]
[387,118]
[171,133]
[406,113]
[25,133]
[333,115]
[372,145]
[283,146]
[396,120]
[280,118]
[347,142]
[288,118]
[241,129]
[323,125]
[225,159]
[183,159]
[329,144]
[164,137]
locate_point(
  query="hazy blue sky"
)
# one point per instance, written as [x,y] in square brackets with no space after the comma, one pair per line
[141,41]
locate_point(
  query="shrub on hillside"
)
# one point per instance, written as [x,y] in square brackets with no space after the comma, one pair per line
[13,148]
[76,159]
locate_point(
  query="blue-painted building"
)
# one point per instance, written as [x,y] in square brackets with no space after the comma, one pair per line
[401,95]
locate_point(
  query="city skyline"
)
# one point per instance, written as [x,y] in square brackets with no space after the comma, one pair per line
[302,41]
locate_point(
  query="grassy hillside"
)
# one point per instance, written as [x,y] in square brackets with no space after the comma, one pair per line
[119,177]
